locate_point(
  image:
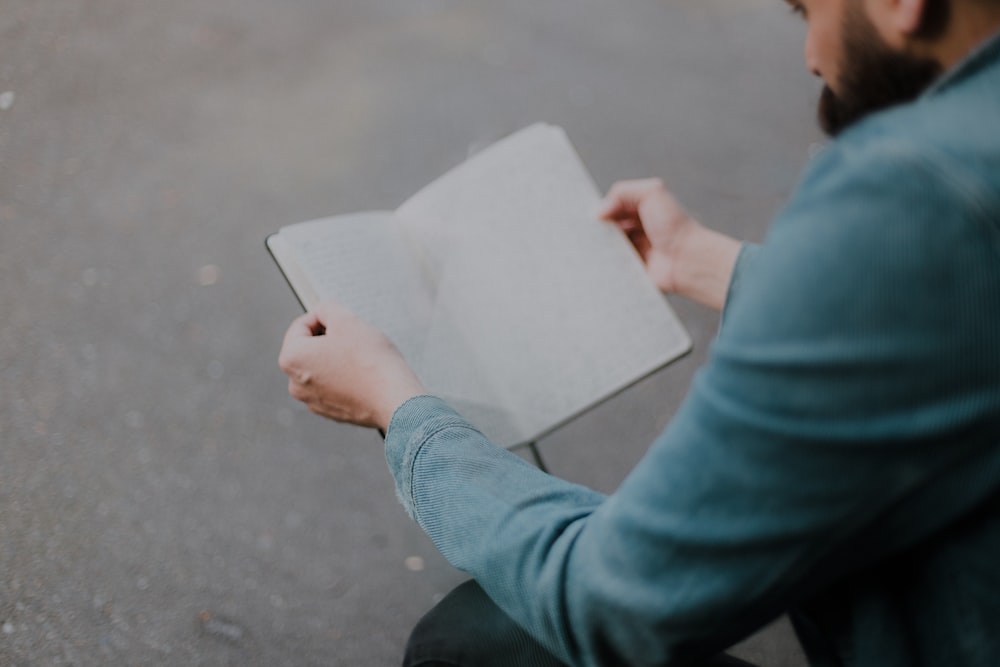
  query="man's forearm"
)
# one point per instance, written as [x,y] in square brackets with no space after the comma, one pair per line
[703,262]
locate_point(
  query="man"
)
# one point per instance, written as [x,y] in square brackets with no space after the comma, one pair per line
[838,458]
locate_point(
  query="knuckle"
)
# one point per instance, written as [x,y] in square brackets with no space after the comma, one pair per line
[287,360]
[618,189]
[293,370]
[656,185]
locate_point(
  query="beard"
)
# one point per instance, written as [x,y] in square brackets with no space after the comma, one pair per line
[873,76]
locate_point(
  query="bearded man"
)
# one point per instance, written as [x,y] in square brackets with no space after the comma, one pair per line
[838,457]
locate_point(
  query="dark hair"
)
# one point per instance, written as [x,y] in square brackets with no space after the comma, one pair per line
[936,18]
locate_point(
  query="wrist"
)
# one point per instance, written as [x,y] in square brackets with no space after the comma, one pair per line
[394,396]
[684,241]
[702,261]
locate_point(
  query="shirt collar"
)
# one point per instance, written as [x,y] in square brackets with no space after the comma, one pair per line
[980,56]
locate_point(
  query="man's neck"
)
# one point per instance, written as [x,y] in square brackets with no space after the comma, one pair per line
[971,24]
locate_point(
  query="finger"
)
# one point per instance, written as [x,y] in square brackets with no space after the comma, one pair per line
[329,310]
[298,391]
[609,209]
[294,359]
[302,327]
[624,197]
[613,209]
[332,315]
[337,318]
[315,322]
[641,243]
[299,331]
[628,225]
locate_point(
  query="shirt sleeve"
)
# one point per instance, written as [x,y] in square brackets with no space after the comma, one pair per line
[850,386]
[744,262]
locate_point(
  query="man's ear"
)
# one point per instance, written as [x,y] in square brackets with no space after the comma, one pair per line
[910,15]
[899,20]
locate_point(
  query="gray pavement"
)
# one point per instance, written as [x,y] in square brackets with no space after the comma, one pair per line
[162,500]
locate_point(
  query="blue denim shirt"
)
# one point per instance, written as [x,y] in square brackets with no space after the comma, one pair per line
[838,457]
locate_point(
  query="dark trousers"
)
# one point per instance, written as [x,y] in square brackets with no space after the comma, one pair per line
[466,629]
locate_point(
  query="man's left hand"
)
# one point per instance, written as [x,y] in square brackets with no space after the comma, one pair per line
[343,368]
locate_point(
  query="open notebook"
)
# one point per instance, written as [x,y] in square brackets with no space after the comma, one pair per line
[499,285]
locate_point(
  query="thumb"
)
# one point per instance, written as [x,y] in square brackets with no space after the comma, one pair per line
[301,330]
[606,208]
[327,314]
[303,326]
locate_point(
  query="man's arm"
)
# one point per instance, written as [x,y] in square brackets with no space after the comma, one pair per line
[844,400]
[853,378]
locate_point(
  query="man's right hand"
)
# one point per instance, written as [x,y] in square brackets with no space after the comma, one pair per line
[681,255]
[654,222]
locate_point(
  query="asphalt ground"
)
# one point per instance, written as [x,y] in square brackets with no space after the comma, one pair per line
[162,500]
